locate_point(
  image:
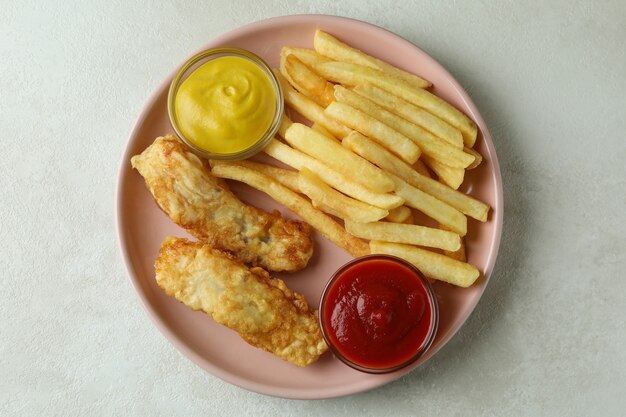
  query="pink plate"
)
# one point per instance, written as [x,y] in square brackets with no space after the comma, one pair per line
[141,226]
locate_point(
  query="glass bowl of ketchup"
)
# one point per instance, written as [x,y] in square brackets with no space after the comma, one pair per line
[378,314]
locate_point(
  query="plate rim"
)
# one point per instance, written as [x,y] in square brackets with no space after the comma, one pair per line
[301,393]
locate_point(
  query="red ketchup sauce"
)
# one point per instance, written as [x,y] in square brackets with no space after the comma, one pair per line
[379,313]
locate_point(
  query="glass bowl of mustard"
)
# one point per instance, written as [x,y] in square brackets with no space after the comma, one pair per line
[225,103]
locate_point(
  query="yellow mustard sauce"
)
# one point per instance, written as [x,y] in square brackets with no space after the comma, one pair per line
[226,105]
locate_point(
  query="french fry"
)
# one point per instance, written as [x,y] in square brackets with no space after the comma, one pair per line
[478,157]
[462,202]
[394,165]
[337,157]
[295,84]
[286,177]
[432,207]
[420,167]
[331,47]
[391,139]
[412,113]
[349,74]
[353,74]
[410,219]
[410,234]
[439,108]
[399,214]
[345,184]
[429,144]
[309,81]
[285,122]
[310,109]
[414,197]
[453,177]
[333,202]
[296,203]
[321,129]
[433,265]
[309,57]
[459,254]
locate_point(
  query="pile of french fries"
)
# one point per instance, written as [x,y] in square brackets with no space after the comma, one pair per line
[376,135]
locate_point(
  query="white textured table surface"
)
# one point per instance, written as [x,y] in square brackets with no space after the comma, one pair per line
[549,335]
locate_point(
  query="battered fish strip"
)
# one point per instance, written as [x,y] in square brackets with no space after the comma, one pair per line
[191,196]
[264,312]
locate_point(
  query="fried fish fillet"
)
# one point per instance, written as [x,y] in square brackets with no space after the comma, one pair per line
[185,190]
[264,312]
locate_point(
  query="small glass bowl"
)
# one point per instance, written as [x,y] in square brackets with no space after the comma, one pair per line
[432,331]
[210,54]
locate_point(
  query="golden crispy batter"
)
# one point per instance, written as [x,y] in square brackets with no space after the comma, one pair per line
[261,309]
[184,188]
